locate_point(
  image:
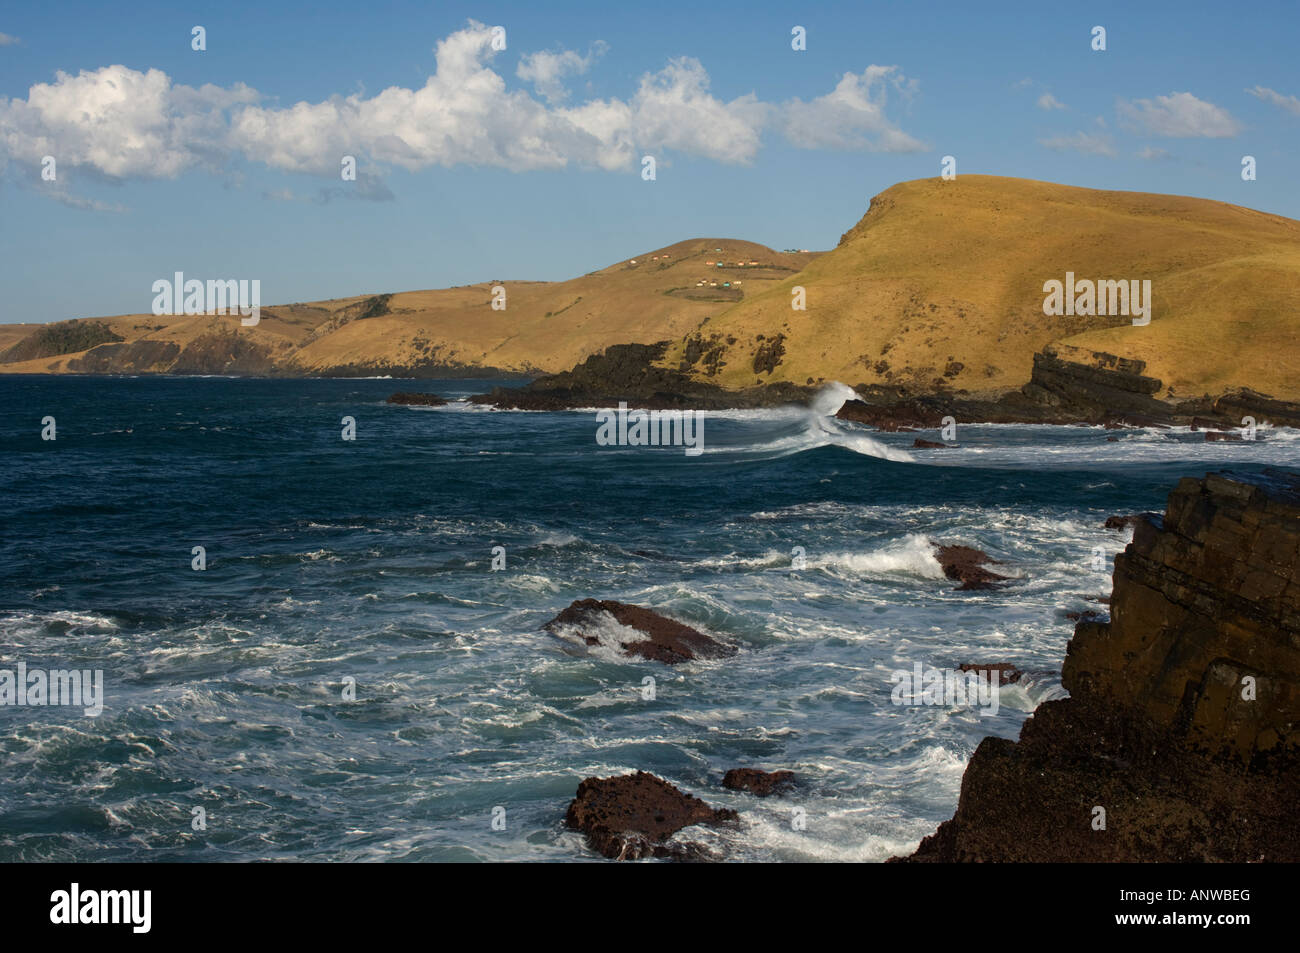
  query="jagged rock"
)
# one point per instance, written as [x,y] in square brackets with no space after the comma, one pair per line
[1247,403]
[966,564]
[633,816]
[636,631]
[1220,435]
[1183,721]
[420,400]
[758,783]
[1007,674]
[1124,522]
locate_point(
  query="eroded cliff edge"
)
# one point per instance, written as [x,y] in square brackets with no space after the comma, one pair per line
[1183,723]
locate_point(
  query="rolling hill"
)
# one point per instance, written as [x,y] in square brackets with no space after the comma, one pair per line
[940,287]
[545,326]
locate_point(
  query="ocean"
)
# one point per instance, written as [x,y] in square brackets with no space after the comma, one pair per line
[348,679]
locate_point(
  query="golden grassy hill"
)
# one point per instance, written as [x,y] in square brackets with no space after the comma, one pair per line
[545,327]
[944,280]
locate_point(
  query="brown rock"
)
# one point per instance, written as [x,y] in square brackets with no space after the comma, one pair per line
[665,640]
[1221,435]
[967,564]
[633,816]
[1183,721]
[919,444]
[1007,674]
[759,783]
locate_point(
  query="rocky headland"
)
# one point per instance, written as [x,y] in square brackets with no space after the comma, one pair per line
[1180,740]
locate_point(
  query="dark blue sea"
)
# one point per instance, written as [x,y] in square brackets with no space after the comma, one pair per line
[349,679]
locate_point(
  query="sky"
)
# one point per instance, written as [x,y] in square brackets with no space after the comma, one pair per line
[478,163]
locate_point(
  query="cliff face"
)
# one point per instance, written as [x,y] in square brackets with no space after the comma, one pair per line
[1181,738]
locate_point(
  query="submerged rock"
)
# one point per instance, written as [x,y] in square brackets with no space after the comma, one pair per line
[1180,740]
[966,564]
[636,631]
[758,783]
[633,816]
[919,444]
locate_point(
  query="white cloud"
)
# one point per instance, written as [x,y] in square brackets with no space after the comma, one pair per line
[1179,116]
[1099,144]
[1290,103]
[852,116]
[546,71]
[1152,153]
[7,40]
[122,123]
[1048,101]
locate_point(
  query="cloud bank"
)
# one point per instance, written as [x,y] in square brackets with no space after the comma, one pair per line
[123,124]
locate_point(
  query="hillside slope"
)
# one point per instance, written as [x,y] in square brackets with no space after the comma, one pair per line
[940,286]
[545,326]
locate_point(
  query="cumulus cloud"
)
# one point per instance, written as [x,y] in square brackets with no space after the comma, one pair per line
[1179,116]
[852,116]
[547,71]
[7,40]
[1099,144]
[1048,101]
[1290,103]
[122,123]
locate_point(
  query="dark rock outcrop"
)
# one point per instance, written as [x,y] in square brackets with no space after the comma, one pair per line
[966,564]
[1093,384]
[1124,522]
[1004,672]
[142,356]
[1237,404]
[919,444]
[661,638]
[632,373]
[633,816]
[892,415]
[758,783]
[417,399]
[1180,740]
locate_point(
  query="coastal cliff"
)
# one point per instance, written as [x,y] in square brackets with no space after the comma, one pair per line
[1181,737]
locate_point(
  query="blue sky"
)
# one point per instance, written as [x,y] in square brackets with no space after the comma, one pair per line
[524,163]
